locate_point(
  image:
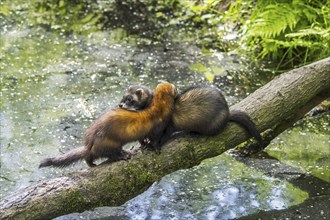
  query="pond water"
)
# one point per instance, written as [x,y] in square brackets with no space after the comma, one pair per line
[219,188]
[54,85]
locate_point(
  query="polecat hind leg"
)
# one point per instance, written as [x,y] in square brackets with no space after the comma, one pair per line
[90,160]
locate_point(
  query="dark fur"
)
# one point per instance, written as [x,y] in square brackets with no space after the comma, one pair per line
[243,119]
[203,110]
[136,98]
[106,136]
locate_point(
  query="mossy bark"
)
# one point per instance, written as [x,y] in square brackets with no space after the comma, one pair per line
[276,105]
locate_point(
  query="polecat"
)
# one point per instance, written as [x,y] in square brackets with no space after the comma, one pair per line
[136,98]
[106,136]
[201,109]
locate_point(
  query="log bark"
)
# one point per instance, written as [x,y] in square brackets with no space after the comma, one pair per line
[276,105]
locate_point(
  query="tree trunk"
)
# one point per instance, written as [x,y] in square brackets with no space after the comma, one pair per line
[276,105]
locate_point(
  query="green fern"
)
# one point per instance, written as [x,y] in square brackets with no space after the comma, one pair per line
[274,21]
[290,33]
[311,32]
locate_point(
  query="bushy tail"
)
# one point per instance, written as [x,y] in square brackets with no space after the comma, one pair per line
[65,159]
[243,119]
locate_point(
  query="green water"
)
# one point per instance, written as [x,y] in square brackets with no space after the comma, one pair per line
[54,84]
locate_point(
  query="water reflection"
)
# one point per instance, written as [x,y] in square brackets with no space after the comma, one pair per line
[53,85]
[219,188]
[306,146]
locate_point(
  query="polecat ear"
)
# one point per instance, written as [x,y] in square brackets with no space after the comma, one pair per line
[139,92]
[174,89]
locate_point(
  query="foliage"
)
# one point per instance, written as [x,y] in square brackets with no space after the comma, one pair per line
[66,15]
[81,16]
[289,33]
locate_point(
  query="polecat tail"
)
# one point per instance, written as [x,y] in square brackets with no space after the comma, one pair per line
[65,159]
[243,119]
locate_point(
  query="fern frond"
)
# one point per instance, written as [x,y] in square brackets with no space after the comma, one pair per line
[315,31]
[272,46]
[274,21]
[291,32]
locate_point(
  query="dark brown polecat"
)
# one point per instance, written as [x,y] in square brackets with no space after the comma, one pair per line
[136,98]
[106,136]
[200,109]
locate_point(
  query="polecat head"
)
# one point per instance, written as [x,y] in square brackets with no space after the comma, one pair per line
[136,98]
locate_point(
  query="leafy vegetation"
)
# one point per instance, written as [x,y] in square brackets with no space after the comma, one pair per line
[290,32]
[286,33]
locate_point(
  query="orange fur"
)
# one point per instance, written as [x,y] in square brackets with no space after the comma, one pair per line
[106,136]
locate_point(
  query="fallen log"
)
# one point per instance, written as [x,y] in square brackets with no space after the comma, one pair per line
[276,105]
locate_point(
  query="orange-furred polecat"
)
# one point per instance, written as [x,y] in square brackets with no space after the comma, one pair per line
[200,109]
[106,136]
